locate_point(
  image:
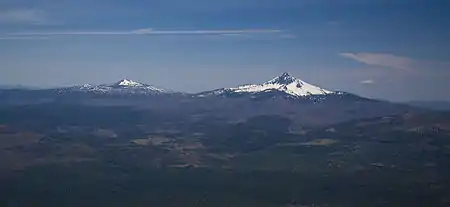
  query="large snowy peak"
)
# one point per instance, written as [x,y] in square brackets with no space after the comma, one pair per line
[284,83]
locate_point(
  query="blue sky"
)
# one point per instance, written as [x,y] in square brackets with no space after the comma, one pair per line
[396,50]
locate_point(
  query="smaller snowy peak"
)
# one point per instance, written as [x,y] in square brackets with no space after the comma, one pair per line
[128,83]
[123,87]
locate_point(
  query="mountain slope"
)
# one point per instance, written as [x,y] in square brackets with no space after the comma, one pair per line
[287,96]
[434,105]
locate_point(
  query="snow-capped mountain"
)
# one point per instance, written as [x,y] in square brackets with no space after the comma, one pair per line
[122,87]
[284,83]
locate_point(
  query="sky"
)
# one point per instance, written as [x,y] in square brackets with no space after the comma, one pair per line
[397,50]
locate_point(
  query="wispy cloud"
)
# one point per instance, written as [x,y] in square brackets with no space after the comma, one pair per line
[23,16]
[395,62]
[367,81]
[23,38]
[148,31]
[379,59]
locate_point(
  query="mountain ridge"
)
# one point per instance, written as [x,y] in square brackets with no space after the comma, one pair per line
[284,85]
[283,95]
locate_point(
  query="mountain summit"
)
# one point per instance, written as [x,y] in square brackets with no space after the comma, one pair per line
[128,83]
[284,83]
[284,78]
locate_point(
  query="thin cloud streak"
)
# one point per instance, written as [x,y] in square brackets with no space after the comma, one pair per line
[395,62]
[367,82]
[148,31]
